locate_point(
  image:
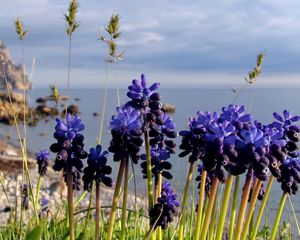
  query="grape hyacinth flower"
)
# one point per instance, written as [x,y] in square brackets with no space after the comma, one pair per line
[290,174]
[125,144]
[164,210]
[143,96]
[44,203]
[96,169]
[235,114]
[43,158]
[162,146]
[126,134]
[208,180]
[69,148]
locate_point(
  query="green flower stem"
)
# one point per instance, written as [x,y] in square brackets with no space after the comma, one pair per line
[37,195]
[149,170]
[70,204]
[69,74]
[243,206]
[124,205]
[295,217]
[234,204]
[278,216]
[113,210]
[97,218]
[184,201]
[212,198]
[200,204]
[224,207]
[89,208]
[211,230]
[253,200]
[103,104]
[159,231]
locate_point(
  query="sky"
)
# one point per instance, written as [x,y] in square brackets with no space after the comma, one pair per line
[182,43]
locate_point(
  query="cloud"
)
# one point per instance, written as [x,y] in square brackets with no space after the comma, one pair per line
[167,36]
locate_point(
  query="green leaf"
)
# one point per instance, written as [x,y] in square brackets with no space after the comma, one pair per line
[81,236]
[35,234]
[66,235]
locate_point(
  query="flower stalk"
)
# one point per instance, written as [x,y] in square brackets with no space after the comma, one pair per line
[200,204]
[70,204]
[124,205]
[234,204]
[113,210]
[159,230]
[278,216]
[208,212]
[97,217]
[243,205]
[224,207]
[149,170]
[251,208]
[184,201]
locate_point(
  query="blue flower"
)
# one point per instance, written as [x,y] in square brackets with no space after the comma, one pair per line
[68,128]
[139,89]
[234,113]
[284,121]
[126,134]
[290,174]
[44,203]
[253,136]
[43,158]
[69,148]
[97,169]
[159,162]
[164,210]
[126,120]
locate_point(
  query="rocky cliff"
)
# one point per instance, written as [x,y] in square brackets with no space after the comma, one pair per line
[14,73]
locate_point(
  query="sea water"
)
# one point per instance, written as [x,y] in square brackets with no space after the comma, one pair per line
[260,102]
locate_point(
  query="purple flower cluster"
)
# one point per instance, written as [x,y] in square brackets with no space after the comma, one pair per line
[126,134]
[43,158]
[208,181]
[69,148]
[96,169]
[143,96]
[44,209]
[163,211]
[234,142]
[162,146]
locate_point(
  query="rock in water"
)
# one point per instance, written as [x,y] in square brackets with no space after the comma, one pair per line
[14,73]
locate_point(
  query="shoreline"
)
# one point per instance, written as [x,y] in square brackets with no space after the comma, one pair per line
[11,181]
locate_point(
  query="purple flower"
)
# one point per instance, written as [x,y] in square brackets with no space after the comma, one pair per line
[290,174]
[252,136]
[126,120]
[163,211]
[139,89]
[159,162]
[97,169]
[69,127]
[234,113]
[44,203]
[43,158]
[69,148]
[126,134]
[284,121]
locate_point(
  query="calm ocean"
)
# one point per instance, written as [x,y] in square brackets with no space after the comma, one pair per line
[260,102]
